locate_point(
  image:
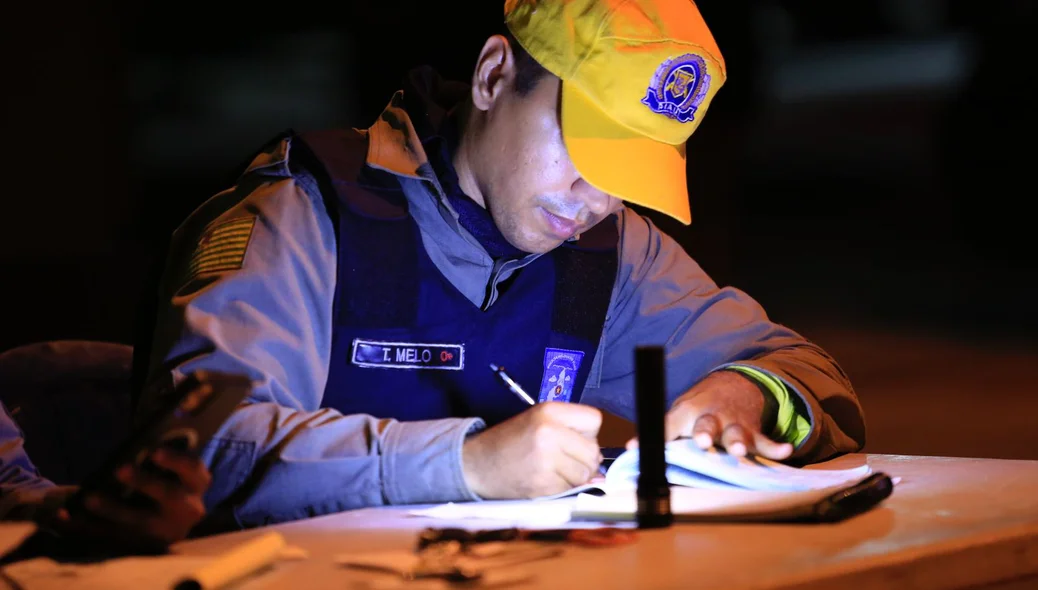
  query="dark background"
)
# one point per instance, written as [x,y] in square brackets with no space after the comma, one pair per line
[863,173]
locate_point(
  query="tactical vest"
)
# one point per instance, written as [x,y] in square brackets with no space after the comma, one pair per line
[407,344]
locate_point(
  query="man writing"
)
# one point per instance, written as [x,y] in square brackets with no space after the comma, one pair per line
[366,281]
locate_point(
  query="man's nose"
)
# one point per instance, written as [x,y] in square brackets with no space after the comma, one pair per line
[598,203]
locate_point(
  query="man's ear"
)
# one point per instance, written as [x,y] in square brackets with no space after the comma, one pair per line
[494,73]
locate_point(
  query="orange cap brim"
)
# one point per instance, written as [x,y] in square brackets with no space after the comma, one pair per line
[621,162]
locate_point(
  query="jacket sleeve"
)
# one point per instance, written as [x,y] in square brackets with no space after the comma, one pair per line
[662,297]
[248,290]
[21,485]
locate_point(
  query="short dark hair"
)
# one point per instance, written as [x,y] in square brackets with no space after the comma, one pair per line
[528,71]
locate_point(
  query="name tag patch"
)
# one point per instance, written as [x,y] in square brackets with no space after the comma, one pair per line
[408,355]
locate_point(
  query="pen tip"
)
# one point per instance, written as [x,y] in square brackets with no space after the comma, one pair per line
[493,367]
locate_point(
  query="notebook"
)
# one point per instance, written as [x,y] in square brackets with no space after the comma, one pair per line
[692,467]
[739,505]
[712,486]
[707,486]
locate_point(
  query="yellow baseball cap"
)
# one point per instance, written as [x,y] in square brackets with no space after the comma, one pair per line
[637,78]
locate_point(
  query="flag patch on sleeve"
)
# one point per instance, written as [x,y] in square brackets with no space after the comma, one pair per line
[222,247]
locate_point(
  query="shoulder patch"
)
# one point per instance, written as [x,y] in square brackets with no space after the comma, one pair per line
[222,247]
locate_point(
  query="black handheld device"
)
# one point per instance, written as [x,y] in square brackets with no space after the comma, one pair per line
[651,406]
[184,421]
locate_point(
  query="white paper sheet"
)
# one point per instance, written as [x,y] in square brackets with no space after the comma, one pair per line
[161,572]
[13,533]
[128,572]
[518,513]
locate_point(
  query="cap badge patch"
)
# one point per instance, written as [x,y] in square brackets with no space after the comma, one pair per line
[678,87]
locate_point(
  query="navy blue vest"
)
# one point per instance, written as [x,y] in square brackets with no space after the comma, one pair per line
[407,344]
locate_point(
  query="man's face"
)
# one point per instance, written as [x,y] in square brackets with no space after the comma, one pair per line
[528,183]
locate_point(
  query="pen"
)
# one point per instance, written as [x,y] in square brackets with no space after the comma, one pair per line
[512,385]
[521,394]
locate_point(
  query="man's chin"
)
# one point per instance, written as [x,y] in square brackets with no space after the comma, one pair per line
[539,245]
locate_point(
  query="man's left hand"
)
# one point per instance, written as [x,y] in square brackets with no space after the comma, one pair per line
[725,409]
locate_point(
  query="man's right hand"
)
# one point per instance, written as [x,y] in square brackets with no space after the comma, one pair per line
[545,450]
[173,490]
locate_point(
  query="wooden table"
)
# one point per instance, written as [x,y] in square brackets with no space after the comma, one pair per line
[950,523]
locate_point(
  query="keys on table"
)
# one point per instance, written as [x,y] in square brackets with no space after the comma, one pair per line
[474,557]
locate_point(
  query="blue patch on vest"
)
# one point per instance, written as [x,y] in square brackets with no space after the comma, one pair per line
[408,355]
[560,371]
[678,87]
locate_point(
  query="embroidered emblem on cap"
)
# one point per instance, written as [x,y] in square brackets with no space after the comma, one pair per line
[560,371]
[678,87]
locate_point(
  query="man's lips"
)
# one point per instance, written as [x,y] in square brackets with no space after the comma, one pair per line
[562,227]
